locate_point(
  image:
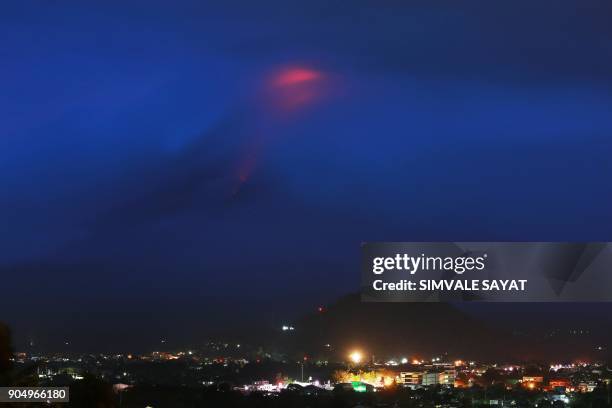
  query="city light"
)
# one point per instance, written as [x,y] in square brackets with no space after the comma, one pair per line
[359,386]
[356,357]
[360,375]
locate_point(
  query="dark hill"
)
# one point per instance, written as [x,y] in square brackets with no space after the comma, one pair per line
[395,329]
[425,330]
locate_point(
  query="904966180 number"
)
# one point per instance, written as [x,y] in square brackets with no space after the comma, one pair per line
[34,394]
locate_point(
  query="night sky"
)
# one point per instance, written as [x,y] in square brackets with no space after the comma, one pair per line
[168,169]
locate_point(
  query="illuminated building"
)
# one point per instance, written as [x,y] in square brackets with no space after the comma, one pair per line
[430,378]
[410,378]
[587,386]
[162,355]
[447,377]
[560,385]
[532,382]
[414,378]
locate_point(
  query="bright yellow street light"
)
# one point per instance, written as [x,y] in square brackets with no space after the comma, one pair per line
[356,357]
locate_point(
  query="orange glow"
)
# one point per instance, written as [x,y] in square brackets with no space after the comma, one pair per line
[295,76]
[356,357]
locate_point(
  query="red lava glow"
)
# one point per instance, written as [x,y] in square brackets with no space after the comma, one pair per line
[286,91]
[247,165]
[295,76]
[295,87]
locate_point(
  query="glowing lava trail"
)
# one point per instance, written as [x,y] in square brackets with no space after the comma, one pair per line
[287,92]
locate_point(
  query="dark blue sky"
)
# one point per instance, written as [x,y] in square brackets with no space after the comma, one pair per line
[169,163]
